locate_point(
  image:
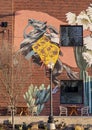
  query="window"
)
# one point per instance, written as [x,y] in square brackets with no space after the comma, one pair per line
[71,35]
[71,92]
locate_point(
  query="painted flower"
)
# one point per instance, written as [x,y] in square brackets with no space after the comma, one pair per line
[88,57]
[83,19]
[90,26]
[71,18]
[89,11]
[88,43]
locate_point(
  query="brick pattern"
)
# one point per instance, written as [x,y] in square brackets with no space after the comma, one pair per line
[6,15]
[55,8]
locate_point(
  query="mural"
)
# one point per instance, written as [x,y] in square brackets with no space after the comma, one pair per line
[21,21]
[83,55]
[42,44]
[36,97]
[40,41]
[40,25]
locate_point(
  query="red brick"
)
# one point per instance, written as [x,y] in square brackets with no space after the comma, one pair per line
[57,9]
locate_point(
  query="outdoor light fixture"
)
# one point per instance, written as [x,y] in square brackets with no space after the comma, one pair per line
[51,124]
[4,24]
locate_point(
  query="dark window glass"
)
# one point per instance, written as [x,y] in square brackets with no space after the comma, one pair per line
[71,92]
[71,35]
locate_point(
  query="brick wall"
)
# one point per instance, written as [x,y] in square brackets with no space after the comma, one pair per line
[6,38]
[55,8]
[6,14]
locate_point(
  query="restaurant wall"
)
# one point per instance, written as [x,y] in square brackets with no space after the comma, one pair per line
[17,14]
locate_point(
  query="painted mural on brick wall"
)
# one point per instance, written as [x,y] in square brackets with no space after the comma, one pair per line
[83,55]
[40,41]
[42,45]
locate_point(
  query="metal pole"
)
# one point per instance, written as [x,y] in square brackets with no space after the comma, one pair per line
[51,125]
[51,99]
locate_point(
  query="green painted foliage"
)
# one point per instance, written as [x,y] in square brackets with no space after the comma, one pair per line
[36,97]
